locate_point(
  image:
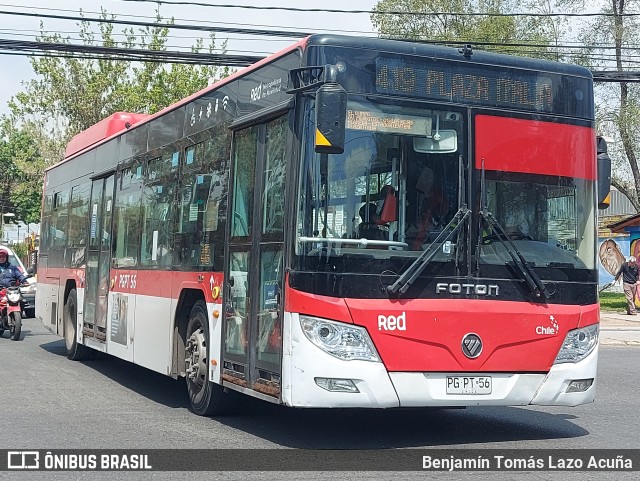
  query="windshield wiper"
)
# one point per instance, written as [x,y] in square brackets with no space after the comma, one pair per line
[522,266]
[409,276]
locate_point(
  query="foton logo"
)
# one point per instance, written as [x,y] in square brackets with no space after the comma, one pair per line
[392,323]
[468,289]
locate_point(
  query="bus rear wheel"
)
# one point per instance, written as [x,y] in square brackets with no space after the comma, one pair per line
[75,351]
[207,398]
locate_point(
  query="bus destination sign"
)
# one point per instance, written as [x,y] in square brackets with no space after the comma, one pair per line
[380,122]
[467,84]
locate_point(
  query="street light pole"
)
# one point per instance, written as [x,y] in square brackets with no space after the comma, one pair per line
[5,214]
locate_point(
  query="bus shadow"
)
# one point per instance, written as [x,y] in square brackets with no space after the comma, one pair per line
[152,385]
[346,428]
[394,428]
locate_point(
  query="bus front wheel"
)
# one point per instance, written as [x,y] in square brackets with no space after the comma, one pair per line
[207,398]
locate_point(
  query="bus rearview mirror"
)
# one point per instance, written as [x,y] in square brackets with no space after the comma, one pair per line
[604,174]
[331,114]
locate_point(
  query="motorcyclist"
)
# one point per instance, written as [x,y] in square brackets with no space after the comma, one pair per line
[9,273]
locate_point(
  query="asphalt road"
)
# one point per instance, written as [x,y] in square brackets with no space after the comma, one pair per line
[53,403]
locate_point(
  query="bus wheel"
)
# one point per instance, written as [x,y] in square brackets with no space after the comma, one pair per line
[75,351]
[207,398]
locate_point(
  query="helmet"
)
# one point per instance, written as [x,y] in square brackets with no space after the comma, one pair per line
[5,251]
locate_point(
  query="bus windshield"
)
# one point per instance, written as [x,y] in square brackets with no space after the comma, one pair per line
[548,218]
[392,191]
[402,178]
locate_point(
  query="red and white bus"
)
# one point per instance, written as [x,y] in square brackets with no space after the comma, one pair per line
[348,223]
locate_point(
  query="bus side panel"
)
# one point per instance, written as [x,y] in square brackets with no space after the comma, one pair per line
[153,332]
[50,296]
[153,320]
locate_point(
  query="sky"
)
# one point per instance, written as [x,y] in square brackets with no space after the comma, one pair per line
[16,69]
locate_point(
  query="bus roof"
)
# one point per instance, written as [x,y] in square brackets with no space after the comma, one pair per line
[420,49]
[104,129]
[72,152]
[116,124]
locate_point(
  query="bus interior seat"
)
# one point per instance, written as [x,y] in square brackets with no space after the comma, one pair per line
[389,211]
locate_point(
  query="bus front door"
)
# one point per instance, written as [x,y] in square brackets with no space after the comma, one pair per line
[252,341]
[98,259]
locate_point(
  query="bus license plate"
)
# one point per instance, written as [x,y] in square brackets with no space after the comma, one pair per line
[468,385]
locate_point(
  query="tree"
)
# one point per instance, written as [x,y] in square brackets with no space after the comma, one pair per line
[460,21]
[619,103]
[21,180]
[71,94]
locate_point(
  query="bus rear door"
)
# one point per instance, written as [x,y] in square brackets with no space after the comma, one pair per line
[98,259]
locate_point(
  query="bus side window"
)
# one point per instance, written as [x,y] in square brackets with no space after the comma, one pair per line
[127,221]
[202,202]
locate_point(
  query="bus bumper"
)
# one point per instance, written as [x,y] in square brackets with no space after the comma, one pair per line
[508,389]
[304,364]
[553,391]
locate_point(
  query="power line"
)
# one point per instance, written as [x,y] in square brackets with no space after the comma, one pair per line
[245,31]
[552,48]
[387,12]
[85,52]
[109,58]
[130,54]
[504,44]
[296,34]
[194,57]
[616,76]
[177,19]
[166,46]
[27,32]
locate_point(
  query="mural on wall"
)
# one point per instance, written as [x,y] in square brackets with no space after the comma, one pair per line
[635,248]
[611,258]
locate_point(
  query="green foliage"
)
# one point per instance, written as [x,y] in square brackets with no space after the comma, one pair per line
[69,95]
[21,183]
[618,107]
[443,22]
[21,250]
[612,301]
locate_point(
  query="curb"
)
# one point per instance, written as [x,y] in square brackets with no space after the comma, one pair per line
[619,342]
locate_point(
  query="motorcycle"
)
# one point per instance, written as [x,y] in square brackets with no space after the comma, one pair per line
[11,312]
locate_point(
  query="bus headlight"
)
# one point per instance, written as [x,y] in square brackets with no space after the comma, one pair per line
[578,344]
[343,341]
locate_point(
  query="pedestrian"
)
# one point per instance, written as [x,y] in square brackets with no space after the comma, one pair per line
[630,280]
